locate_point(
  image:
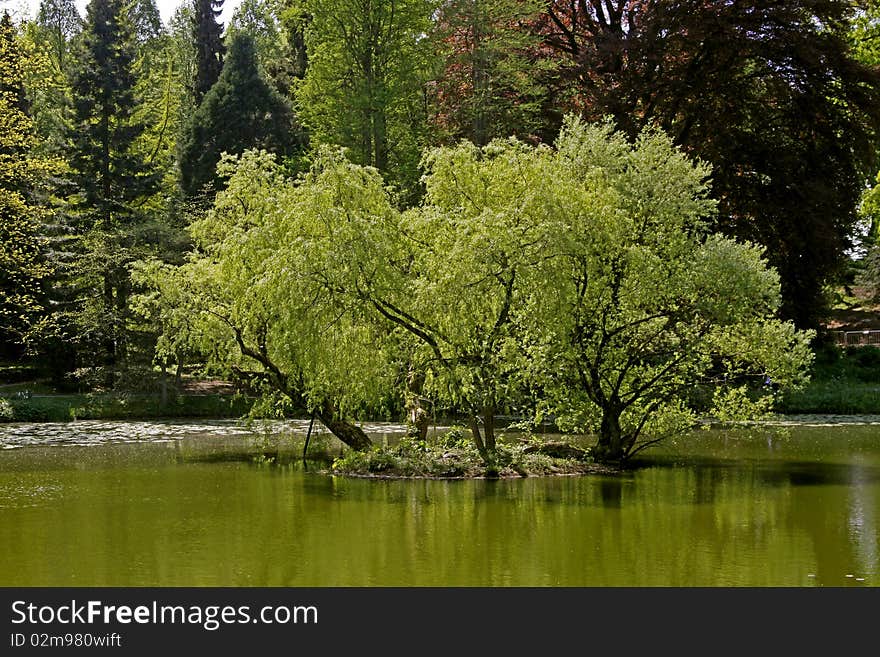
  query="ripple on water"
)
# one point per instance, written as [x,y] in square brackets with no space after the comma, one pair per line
[18,495]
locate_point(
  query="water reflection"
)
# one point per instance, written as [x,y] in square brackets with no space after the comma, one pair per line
[203,509]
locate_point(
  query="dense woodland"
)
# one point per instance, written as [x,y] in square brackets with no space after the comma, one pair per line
[175,194]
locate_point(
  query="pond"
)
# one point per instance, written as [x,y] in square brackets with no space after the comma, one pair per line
[226,504]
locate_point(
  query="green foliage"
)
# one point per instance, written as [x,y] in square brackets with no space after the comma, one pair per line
[258,19]
[109,172]
[59,21]
[451,457]
[245,300]
[582,276]
[112,212]
[868,276]
[832,398]
[145,19]
[368,63]
[241,111]
[207,35]
[491,83]
[24,268]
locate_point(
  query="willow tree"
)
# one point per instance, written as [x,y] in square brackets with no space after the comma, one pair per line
[646,303]
[252,300]
[583,275]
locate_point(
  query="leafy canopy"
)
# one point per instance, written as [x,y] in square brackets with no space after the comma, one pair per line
[579,280]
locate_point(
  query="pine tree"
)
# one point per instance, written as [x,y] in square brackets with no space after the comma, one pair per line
[241,111]
[111,173]
[208,36]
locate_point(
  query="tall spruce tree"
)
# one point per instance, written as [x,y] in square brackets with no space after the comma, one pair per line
[208,37]
[112,175]
[241,111]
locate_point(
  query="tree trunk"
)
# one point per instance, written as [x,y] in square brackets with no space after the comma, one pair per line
[351,435]
[489,427]
[416,416]
[610,446]
[478,439]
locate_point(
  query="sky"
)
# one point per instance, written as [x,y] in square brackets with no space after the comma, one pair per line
[166,8]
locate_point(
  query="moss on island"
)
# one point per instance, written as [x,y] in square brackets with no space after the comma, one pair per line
[454,456]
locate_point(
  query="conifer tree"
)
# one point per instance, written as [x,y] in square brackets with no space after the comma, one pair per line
[241,111]
[111,174]
[208,37]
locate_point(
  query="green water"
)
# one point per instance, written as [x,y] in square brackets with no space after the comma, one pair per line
[153,504]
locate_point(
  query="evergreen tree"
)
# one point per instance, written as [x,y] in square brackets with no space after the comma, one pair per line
[241,111]
[208,37]
[112,175]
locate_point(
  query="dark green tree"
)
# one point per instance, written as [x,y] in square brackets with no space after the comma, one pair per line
[112,176]
[767,92]
[208,37]
[241,111]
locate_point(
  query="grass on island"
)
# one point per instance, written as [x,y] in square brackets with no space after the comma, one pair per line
[454,456]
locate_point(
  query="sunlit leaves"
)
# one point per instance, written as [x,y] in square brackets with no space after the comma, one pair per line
[579,281]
